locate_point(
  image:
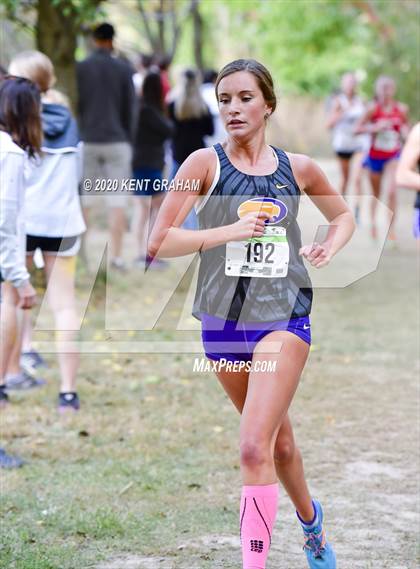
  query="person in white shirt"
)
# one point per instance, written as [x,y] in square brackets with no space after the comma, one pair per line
[20,134]
[53,216]
[346,109]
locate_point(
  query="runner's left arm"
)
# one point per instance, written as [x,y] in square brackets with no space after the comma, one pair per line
[312,180]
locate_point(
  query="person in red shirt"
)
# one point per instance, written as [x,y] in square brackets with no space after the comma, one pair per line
[164,63]
[386,120]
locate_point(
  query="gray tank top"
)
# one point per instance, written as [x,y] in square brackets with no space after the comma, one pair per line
[252,299]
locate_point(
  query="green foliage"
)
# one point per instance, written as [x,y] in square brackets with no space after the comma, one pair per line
[81,11]
[308,44]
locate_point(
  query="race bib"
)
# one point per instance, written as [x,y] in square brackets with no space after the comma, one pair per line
[263,257]
[387,140]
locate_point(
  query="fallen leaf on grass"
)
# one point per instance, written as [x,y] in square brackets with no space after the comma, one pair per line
[126,488]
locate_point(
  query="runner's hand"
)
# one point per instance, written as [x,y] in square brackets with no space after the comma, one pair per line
[27,296]
[251,225]
[382,124]
[318,255]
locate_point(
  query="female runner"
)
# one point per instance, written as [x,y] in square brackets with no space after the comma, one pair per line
[386,120]
[347,108]
[254,294]
[408,172]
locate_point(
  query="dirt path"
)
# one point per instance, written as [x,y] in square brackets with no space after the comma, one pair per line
[356,419]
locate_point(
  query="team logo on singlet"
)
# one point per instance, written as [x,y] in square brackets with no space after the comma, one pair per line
[274,207]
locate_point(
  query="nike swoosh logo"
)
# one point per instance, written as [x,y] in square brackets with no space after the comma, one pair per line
[280,187]
[306,326]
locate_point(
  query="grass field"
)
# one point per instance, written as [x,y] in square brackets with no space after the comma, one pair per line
[146,476]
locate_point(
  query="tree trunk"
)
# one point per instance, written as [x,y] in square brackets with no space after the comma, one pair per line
[56,36]
[198,35]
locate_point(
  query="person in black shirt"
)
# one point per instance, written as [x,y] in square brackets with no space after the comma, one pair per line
[153,128]
[193,121]
[106,104]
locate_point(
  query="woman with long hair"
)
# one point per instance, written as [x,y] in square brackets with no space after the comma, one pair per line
[20,135]
[53,216]
[193,121]
[153,129]
[254,294]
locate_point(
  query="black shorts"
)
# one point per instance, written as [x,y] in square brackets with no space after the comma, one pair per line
[345,155]
[50,244]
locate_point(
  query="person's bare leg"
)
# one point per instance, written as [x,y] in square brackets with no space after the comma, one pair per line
[23,332]
[289,467]
[14,366]
[391,192]
[141,222]
[117,226]
[357,164]
[375,180]
[9,329]
[60,272]
[345,174]
[26,317]
[287,458]
[266,391]
[83,253]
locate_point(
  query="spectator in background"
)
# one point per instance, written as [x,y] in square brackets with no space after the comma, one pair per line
[209,96]
[164,63]
[145,64]
[193,122]
[346,109]
[106,114]
[20,133]
[153,128]
[52,214]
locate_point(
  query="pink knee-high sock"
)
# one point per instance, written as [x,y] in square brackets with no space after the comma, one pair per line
[257,517]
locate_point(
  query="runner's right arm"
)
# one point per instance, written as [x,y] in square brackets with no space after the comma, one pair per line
[12,264]
[335,114]
[364,124]
[168,239]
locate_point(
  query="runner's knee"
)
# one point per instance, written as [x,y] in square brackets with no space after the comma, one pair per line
[253,453]
[284,450]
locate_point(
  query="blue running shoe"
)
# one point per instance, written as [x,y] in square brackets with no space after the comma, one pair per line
[22,381]
[68,401]
[31,360]
[319,553]
[8,461]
